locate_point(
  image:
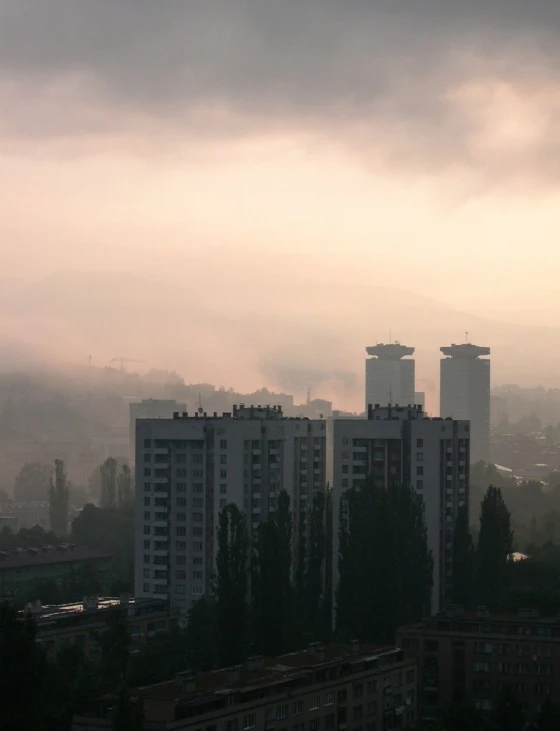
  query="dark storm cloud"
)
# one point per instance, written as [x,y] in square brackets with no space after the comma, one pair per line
[364,72]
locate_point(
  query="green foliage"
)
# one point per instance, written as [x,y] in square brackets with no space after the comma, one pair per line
[109,483]
[232,564]
[385,566]
[59,499]
[32,483]
[201,650]
[464,561]
[272,592]
[125,487]
[495,544]
[22,672]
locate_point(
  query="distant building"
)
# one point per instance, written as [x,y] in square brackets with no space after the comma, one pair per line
[389,377]
[23,570]
[150,409]
[465,393]
[191,466]
[402,445]
[25,515]
[333,687]
[475,656]
[420,399]
[81,623]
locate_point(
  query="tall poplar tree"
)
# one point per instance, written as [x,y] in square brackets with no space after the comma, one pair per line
[109,483]
[464,561]
[232,565]
[59,499]
[495,544]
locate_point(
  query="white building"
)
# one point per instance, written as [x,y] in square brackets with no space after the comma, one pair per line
[401,444]
[389,377]
[191,466]
[149,409]
[465,393]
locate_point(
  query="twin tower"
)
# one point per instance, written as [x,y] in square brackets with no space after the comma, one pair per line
[464,385]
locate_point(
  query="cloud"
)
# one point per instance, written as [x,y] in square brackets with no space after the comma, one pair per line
[428,84]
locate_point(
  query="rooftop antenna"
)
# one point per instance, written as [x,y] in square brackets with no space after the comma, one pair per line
[308,396]
[200,409]
[467,337]
[390,336]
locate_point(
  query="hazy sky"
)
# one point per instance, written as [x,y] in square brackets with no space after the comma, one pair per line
[273,160]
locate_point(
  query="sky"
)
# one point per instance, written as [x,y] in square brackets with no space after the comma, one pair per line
[251,191]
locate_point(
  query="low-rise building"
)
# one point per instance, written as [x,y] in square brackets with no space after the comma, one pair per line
[478,656]
[81,623]
[23,570]
[321,688]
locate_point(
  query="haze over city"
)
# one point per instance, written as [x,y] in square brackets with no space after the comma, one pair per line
[251,192]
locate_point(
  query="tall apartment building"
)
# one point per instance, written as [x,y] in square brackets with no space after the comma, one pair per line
[335,687]
[465,393]
[149,409]
[191,466]
[476,656]
[401,445]
[389,378]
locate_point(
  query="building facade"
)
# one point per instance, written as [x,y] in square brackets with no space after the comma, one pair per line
[191,466]
[24,570]
[82,623]
[322,688]
[401,445]
[478,655]
[465,393]
[149,409]
[389,377]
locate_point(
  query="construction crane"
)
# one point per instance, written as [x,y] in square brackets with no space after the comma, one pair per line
[122,361]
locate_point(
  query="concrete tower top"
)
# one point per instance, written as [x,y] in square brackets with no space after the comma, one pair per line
[391,351]
[465,351]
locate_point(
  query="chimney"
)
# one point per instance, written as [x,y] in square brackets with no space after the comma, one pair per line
[233,673]
[317,650]
[255,662]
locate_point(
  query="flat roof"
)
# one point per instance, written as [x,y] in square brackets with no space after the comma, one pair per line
[51,612]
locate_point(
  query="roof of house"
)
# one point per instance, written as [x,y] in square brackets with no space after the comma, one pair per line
[19,558]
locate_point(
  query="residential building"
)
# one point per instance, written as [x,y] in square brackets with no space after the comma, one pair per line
[465,393]
[389,377]
[478,655]
[82,623]
[191,466]
[149,409]
[321,688]
[398,444]
[23,570]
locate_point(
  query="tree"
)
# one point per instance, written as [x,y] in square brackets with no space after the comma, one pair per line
[271,580]
[495,544]
[59,496]
[32,483]
[314,584]
[115,648]
[109,483]
[22,672]
[125,486]
[463,561]
[385,567]
[201,650]
[232,563]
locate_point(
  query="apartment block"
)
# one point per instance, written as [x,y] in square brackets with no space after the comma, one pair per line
[191,466]
[319,689]
[402,445]
[82,623]
[149,409]
[389,374]
[477,656]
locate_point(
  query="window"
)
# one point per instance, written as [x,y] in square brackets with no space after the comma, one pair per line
[345,442]
[329,721]
[181,502]
[180,589]
[181,486]
[503,649]
[197,531]
[419,443]
[197,487]
[146,558]
[481,667]
[483,648]
[483,704]
[147,487]
[297,707]
[521,669]
[198,502]
[329,698]
[197,545]
[419,456]
[181,472]
[314,702]
[146,502]
[180,458]
[314,725]
[197,458]
[147,458]
[232,725]
[358,690]
[420,471]
[147,443]
[223,443]
[344,469]
[223,503]
[248,722]
[181,575]
[223,458]
[180,546]
[223,489]
[146,545]
[146,530]
[372,686]
[197,575]
[197,474]
[160,516]
[223,474]
[197,590]
[147,472]
[371,708]
[181,517]
[197,517]
[358,712]
[282,712]
[146,587]
[147,515]
[197,560]
[180,530]
[503,667]
[180,560]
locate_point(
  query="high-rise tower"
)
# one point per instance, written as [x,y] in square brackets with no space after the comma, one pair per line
[465,393]
[389,378]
